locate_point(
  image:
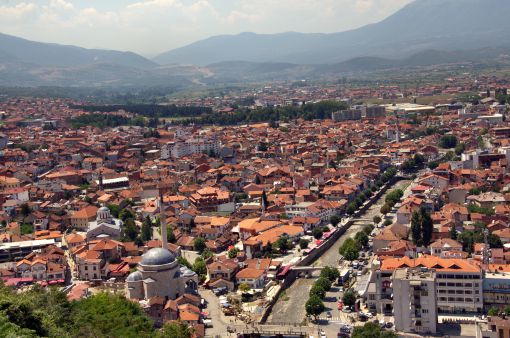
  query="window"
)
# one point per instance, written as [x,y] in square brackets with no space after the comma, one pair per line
[424,311]
[86,268]
[468,285]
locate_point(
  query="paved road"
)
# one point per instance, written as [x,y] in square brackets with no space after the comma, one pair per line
[290,308]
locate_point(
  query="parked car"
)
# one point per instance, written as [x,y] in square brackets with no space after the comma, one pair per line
[341,289]
[328,315]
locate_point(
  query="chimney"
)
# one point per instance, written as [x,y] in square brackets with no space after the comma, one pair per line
[162,222]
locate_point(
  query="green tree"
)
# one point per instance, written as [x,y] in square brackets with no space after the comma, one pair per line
[330,273]
[146,232]
[351,208]
[183,261]
[324,283]
[416,231]
[264,201]
[372,330]
[244,287]
[349,298]
[199,267]
[317,290]
[394,196]
[334,220]
[367,229]
[314,307]
[170,236]
[109,315]
[114,210]
[317,233]
[459,148]
[175,330]
[362,238]
[303,243]
[493,311]
[453,233]
[283,243]
[448,141]
[427,226]
[126,214]
[385,209]
[25,210]
[474,191]
[377,219]
[199,244]
[130,230]
[232,253]
[350,249]
[351,254]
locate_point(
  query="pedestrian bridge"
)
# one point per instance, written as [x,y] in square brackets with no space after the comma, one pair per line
[306,271]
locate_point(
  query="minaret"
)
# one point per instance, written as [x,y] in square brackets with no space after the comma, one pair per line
[162,222]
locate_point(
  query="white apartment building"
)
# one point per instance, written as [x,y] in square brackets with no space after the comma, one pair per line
[414,300]
[459,284]
[182,148]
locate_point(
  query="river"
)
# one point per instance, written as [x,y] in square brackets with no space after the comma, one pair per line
[290,307]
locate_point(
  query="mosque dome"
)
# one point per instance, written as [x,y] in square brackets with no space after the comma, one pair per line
[157,256]
[134,277]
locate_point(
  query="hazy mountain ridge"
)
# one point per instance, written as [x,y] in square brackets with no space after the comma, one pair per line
[49,54]
[423,24]
[426,32]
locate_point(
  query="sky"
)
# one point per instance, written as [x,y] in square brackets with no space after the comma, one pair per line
[150,27]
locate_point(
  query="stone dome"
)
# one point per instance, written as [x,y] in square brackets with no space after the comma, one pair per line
[157,256]
[134,277]
[103,209]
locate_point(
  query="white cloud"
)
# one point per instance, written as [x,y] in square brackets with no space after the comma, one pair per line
[151,26]
[363,5]
[17,12]
[61,4]
[235,17]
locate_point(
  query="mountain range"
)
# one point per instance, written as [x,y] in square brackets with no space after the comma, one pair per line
[422,24]
[425,32]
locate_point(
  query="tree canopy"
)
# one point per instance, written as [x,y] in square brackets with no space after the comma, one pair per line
[42,312]
[314,306]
